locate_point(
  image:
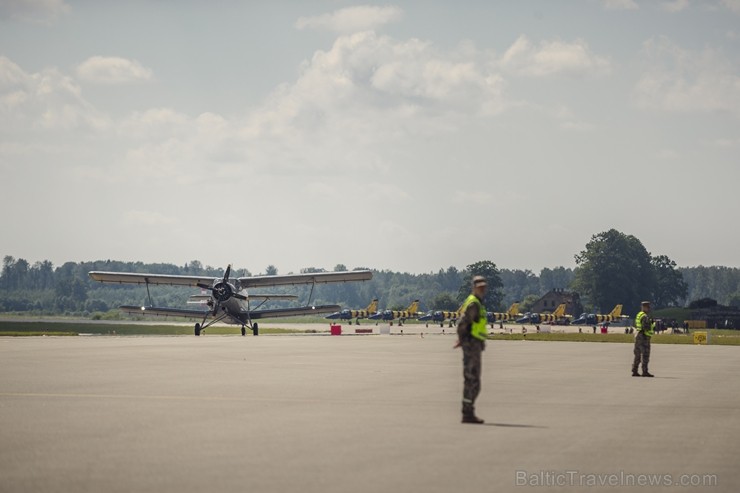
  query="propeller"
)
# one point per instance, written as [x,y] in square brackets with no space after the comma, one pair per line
[222,290]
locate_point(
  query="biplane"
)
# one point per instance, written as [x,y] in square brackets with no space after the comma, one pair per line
[228,299]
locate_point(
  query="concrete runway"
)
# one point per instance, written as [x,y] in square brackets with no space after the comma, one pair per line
[360,414]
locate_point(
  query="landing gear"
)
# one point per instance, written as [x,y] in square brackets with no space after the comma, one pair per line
[255,330]
[197,329]
[244,331]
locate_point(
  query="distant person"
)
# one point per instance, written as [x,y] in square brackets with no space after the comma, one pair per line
[644,326]
[472,334]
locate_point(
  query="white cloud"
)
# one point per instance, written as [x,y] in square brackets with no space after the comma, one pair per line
[352,19]
[724,143]
[552,57]
[349,105]
[47,99]
[362,95]
[733,5]
[38,11]
[112,70]
[686,81]
[620,5]
[675,5]
[150,123]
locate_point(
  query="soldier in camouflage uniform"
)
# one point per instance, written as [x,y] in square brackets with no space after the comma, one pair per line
[644,325]
[472,333]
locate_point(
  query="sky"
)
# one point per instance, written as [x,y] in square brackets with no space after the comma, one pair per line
[410,135]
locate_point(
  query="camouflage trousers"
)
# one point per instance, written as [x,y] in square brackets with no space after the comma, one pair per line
[472,351]
[642,352]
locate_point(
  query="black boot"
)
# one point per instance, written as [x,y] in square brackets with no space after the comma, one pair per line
[645,372]
[468,415]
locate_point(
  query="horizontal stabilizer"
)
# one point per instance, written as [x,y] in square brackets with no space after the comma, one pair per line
[200,299]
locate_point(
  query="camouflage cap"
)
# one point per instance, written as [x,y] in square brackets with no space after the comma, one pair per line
[479,281]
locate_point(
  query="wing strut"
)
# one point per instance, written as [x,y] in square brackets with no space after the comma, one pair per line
[149,295]
[310,296]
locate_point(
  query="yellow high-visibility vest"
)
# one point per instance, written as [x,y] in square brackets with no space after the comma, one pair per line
[479,328]
[648,331]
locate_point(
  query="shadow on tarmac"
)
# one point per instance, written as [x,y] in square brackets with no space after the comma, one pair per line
[511,425]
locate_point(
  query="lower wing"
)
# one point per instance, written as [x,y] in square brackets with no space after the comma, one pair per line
[292,312]
[154,311]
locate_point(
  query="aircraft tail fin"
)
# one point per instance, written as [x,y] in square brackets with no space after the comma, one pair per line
[559,311]
[617,312]
[513,310]
[413,307]
[373,306]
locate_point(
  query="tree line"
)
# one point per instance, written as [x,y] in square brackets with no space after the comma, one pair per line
[613,268]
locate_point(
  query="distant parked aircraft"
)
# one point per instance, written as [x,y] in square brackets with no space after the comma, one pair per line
[348,314]
[595,318]
[543,318]
[441,316]
[400,315]
[508,316]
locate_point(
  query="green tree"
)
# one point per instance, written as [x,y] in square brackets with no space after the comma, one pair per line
[614,268]
[487,269]
[527,302]
[734,300]
[445,301]
[670,288]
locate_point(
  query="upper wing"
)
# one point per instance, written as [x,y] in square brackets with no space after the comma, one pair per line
[317,277]
[134,278]
[245,282]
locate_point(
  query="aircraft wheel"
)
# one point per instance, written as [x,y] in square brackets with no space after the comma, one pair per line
[244,331]
[255,330]
[197,329]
